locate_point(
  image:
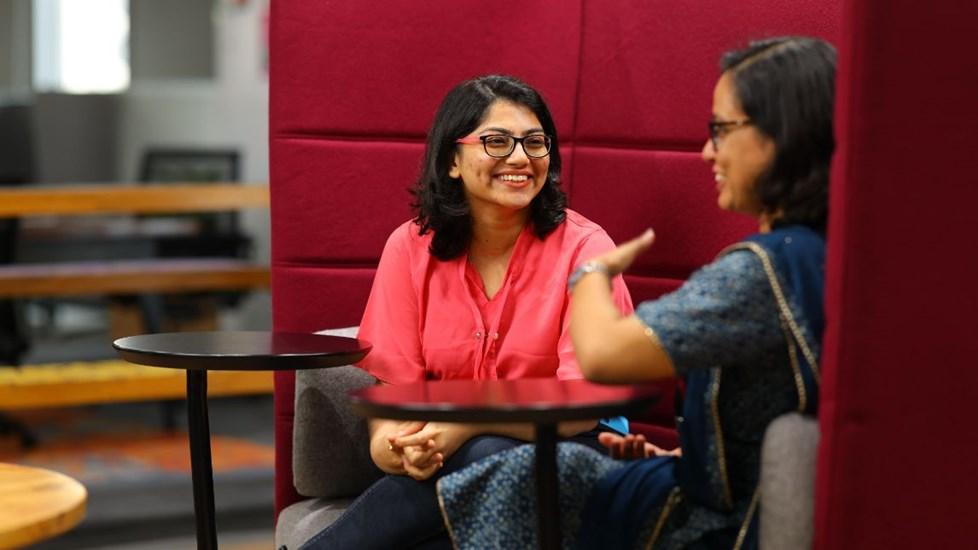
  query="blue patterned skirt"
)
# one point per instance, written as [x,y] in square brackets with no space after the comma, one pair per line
[604,503]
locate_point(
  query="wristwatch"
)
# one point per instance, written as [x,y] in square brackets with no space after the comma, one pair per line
[584,269]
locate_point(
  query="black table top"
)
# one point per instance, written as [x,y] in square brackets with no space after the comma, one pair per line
[538,400]
[241,350]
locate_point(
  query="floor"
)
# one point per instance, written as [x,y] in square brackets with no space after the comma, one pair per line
[137,471]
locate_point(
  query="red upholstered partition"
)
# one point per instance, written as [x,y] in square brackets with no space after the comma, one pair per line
[899,446]
[354,87]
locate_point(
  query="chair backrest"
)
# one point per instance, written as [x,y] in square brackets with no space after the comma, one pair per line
[220,233]
[897,454]
[16,168]
[16,144]
[354,87]
[787,483]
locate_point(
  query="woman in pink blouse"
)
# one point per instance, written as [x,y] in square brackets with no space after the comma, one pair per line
[474,287]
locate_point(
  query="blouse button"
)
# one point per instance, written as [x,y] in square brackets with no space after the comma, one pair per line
[478,335]
[495,336]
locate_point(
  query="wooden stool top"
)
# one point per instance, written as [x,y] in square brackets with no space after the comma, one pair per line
[37,504]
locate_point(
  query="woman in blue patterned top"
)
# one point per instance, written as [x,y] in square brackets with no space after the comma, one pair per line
[743,332]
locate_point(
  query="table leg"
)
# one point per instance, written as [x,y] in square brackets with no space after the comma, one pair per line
[548,508]
[200,459]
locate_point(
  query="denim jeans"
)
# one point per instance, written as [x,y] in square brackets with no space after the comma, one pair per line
[399,512]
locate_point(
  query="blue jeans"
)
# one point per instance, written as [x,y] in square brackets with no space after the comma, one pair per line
[399,512]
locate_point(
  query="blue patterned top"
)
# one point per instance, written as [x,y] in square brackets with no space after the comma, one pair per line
[725,316]
[723,321]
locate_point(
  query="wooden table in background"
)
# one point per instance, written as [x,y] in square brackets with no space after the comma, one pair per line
[37,504]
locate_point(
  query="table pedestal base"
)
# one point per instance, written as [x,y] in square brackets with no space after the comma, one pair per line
[548,505]
[200,459]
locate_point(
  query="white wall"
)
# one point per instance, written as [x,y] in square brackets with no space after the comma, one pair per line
[15,50]
[230,111]
[171,39]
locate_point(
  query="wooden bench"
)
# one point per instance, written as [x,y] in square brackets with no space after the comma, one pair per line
[129,277]
[79,200]
[82,383]
[110,381]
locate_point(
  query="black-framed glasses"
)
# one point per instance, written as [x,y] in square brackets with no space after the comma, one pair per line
[720,128]
[536,146]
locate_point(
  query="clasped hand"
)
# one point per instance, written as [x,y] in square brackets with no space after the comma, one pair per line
[424,446]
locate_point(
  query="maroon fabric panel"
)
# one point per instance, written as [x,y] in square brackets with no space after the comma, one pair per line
[896,458]
[337,201]
[628,190]
[644,288]
[307,299]
[648,66]
[380,69]
[311,298]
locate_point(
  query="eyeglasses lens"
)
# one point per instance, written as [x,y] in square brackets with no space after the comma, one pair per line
[536,146]
[714,129]
[499,146]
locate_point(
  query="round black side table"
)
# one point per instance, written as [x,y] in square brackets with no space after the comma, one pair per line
[199,352]
[543,402]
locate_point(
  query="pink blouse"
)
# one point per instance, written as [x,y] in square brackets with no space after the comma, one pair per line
[430,319]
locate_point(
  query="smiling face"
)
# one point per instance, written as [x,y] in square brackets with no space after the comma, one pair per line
[742,154]
[501,185]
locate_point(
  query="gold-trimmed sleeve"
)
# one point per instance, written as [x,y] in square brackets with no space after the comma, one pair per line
[653,337]
[650,332]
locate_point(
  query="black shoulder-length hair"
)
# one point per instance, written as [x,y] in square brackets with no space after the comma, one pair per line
[440,203]
[786,86]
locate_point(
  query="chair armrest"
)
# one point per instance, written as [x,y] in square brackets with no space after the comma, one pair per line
[787,482]
[331,444]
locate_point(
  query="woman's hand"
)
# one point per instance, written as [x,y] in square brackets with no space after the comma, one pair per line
[619,259]
[426,449]
[632,446]
[420,461]
[388,457]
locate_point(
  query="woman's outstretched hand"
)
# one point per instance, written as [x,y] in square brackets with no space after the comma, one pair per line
[632,446]
[620,258]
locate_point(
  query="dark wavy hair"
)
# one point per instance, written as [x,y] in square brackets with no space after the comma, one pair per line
[786,86]
[439,200]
